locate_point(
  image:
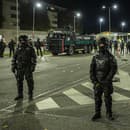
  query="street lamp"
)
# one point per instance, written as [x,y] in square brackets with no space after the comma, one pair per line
[115,7]
[17,19]
[101,20]
[77,15]
[37,5]
[123,24]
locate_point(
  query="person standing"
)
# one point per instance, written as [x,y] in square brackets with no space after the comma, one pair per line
[11,46]
[38,47]
[129,47]
[30,42]
[23,65]
[115,47]
[95,46]
[102,70]
[2,48]
[122,47]
[110,46]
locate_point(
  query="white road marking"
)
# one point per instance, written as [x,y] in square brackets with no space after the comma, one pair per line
[88,85]
[124,80]
[115,96]
[44,93]
[78,97]
[71,71]
[119,97]
[47,104]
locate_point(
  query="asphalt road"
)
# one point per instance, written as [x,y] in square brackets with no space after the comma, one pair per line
[60,83]
[52,74]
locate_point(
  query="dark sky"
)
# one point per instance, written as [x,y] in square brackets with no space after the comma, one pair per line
[91,11]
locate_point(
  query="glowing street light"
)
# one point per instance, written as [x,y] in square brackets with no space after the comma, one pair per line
[77,15]
[115,7]
[101,20]
[37,5]
[103,7]
[123,24]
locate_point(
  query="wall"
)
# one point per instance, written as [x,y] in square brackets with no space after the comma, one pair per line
[11,34]
[8,11]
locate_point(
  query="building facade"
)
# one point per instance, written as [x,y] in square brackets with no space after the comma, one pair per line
[9,14]
[47,18]
[50,14]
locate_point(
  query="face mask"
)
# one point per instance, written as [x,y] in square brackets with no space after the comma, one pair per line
[23,44]
[102,49]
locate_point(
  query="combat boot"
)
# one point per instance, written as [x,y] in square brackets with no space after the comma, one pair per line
[18,98]
[110,116]
[30,97]
[96,116]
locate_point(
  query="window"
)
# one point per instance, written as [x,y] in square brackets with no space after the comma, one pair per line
[14,24]
[55,17]
[54,22]
[13,7]
[13,15]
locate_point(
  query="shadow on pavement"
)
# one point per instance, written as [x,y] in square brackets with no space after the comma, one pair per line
[22,119]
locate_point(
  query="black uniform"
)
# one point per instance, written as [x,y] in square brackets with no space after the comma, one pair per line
[102,70]
[110,46]
[2,48]
[95,46]
[115,46]
[23,65]
[11,46]
[38,47]
[122,47]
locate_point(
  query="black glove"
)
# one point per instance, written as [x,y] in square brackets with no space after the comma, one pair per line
[105,81]
[94,82]
[32,68]
[97,84]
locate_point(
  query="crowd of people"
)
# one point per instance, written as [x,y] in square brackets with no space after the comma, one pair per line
[103,68]
[40,47]
[122,47]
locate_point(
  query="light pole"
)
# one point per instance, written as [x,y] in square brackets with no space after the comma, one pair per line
[17,20]
[109,9]
[123,24]
[77,15]
[101,20]
[37,5]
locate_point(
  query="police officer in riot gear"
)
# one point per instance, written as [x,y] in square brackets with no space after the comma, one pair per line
[102,70]
[23,65]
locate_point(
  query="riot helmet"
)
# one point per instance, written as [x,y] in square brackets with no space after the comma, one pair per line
[23,39]
[103,44]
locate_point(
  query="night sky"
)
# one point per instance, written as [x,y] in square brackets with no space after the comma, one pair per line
[91,11]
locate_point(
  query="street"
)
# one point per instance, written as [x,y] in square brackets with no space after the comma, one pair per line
[63,96]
